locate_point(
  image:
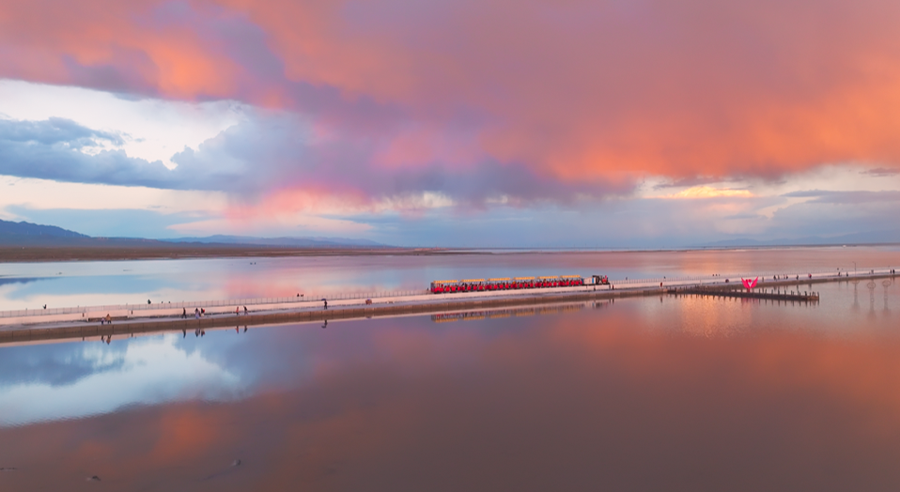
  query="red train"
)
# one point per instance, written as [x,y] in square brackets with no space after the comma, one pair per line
[492,284]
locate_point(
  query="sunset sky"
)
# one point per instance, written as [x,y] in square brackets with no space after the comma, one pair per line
[606,123]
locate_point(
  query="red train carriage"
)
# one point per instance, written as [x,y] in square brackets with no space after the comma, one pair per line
[517,283]
[443,286]
[571,281]
[473,285]
[498,283]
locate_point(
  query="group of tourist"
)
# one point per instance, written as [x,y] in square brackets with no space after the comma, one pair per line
[198,313]
[786,277]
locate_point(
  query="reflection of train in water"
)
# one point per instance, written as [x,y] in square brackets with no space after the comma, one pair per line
[508,313]
[517,283]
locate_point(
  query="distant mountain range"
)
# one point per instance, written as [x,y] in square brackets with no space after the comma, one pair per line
[29,230]
[28,234]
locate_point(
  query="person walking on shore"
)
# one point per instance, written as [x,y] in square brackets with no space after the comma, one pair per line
[326,303]
[183,313]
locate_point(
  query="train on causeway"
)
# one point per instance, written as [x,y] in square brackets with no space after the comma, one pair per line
[517,283]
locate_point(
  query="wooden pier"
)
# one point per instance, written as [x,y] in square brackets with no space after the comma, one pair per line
[768,294]
[220,314]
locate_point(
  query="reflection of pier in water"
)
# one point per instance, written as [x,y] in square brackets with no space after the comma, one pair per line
[516,312]
[886,283]
[62,323]
[776,294]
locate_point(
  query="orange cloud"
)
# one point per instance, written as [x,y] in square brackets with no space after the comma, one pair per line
[583,89]
[112,45]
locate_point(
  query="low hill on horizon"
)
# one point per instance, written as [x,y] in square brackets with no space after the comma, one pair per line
[23,234]
[27,229]
[28,234]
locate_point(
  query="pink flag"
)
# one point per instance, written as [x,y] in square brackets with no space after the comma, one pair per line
[749,284]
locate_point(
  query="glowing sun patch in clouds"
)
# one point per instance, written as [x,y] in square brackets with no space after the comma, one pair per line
[709,192]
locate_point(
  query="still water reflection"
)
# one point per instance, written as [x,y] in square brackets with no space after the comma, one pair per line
[64,284]
[640,394]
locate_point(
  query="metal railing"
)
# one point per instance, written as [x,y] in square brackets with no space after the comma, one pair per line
[764,277]
[161,306]
[315,299]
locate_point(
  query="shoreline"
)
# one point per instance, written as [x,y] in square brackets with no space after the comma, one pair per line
[348,310]
[53,254]
[118,252]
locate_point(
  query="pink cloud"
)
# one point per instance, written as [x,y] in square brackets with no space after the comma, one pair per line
[571,91]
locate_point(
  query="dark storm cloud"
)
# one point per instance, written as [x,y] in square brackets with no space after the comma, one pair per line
[687,182]
[55,131]
[276,152]
[282,153]
[806,194]
[847,197]
[52,149]
[744,217]
[881,172]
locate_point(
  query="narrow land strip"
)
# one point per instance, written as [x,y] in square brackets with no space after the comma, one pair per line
[115,252]
[355,309]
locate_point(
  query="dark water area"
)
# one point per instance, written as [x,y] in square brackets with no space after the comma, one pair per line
[99,283]
[656,393]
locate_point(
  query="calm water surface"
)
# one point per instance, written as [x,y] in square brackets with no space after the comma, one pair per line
[640,394]
[31,285]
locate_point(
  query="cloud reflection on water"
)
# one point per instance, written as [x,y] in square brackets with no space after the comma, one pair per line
[91,379]
[114,282]
[684,394]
